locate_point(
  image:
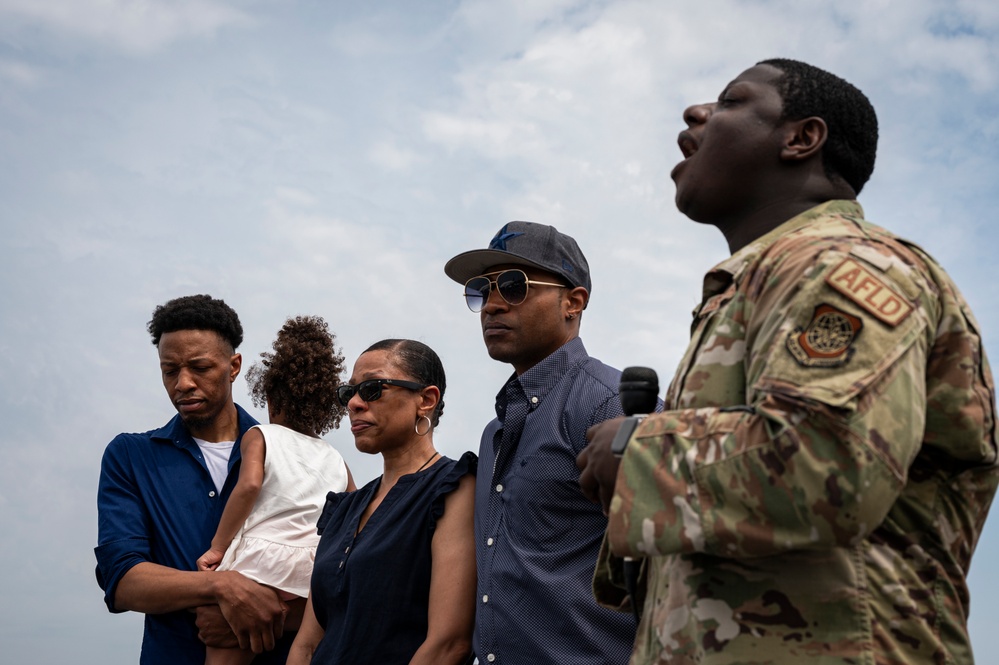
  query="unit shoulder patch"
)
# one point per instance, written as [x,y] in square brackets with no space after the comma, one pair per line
[828,339]
[870,292]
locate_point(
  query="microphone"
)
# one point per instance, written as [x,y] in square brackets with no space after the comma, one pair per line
[639,391]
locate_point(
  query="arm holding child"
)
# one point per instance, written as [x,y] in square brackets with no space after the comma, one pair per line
[244,495]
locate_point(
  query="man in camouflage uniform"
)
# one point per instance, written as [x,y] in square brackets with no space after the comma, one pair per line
[816,486]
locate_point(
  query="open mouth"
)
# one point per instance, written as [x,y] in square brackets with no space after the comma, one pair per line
[688,146]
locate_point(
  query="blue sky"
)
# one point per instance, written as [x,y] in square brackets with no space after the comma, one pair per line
[328,157]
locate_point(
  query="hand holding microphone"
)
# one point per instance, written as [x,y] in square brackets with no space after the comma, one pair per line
[598,462]
[639,390]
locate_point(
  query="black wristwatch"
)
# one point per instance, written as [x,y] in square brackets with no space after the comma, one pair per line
[623,435]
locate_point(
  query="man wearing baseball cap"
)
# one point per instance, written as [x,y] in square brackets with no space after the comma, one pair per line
[536,535]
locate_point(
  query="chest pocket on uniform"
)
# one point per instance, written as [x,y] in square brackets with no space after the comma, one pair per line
[843,331]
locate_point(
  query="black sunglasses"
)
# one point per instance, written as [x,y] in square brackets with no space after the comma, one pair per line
[511,284]
[371,389]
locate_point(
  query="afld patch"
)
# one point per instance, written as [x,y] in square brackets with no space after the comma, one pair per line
[865,288]
[827,340]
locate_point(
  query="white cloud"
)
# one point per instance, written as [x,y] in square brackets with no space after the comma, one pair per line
[294,196]
[496,138]
[19,72]
[388,154]
[137,26]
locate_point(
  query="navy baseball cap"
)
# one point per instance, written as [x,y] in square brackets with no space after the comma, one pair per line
[525,244]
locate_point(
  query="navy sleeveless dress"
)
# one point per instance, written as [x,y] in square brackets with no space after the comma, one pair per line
[371,592]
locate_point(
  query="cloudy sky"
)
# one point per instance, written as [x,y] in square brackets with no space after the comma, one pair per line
[319,157]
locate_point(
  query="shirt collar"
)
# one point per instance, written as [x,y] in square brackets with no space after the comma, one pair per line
[176,432]
[538,381]
[719,277]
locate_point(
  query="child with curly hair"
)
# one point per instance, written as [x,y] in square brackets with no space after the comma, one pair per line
[268,528]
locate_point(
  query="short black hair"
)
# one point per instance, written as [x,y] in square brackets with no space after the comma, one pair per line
[852,145]
[299,379]
[421,363]
[201,312]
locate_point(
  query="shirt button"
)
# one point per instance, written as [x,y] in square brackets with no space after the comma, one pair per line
[212,494]
[534,400]
[491,657]
[341,564]
[485,598]
[347,551]
[499,488]
[489,542]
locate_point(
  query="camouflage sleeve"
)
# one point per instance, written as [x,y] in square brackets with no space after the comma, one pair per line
[834,412]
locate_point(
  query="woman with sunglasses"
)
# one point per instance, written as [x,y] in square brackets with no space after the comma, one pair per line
[394,577]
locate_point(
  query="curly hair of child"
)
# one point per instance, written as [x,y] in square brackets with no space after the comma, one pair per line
[299,379]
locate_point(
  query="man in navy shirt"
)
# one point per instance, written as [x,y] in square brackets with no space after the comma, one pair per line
[161,496]
[536,536]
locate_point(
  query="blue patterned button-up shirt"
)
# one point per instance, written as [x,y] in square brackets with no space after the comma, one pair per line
[537,536]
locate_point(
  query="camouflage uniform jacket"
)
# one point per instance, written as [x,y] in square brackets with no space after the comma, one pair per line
[816,486]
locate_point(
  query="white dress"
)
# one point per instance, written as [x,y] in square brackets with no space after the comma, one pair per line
[276,545]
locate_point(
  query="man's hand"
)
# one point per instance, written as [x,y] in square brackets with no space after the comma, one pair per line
[254,611]
[598,465]
[213,629]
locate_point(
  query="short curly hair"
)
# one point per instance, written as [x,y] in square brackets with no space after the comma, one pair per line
[421,363]
[299,379]
[852,145]
[201,312]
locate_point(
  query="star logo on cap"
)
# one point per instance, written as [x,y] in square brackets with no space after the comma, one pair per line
[499,240]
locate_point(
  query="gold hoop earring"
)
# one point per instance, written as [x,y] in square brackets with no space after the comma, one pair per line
[430,426]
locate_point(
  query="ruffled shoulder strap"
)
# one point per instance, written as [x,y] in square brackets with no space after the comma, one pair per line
[467,464]
[332,501]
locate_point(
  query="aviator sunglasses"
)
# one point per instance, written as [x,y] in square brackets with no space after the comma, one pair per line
[511,284]
[371,389]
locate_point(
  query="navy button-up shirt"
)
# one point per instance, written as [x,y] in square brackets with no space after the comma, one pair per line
[156,502]
[537,536]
